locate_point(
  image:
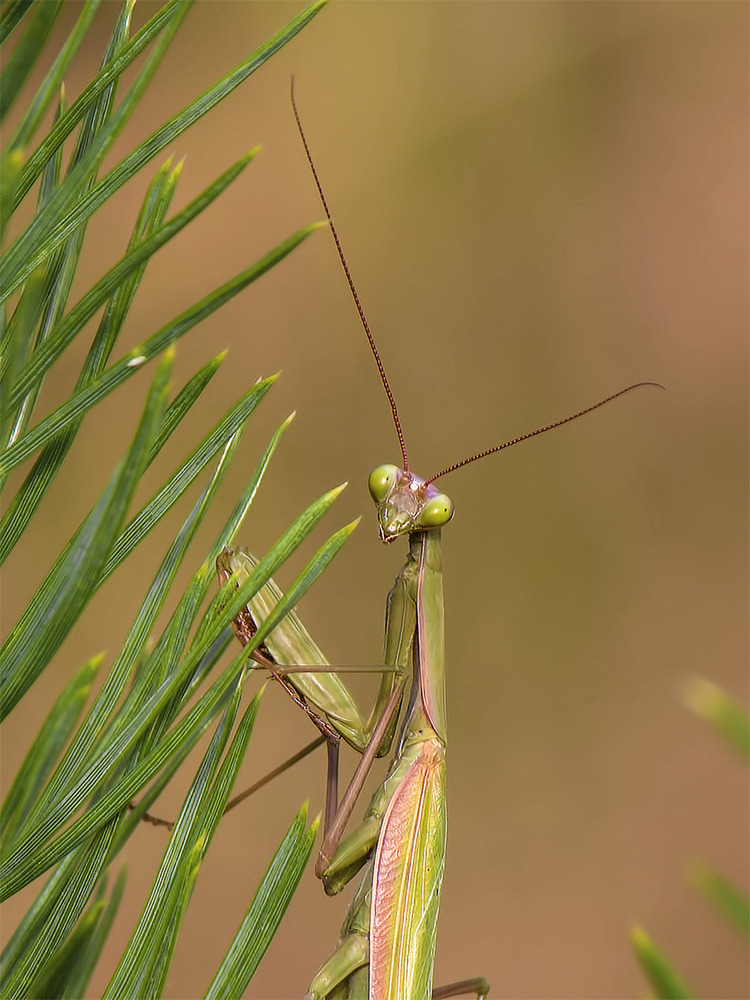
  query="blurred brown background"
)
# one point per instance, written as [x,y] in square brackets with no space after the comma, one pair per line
[540,203]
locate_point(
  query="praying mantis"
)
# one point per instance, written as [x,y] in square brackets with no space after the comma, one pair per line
[387,945]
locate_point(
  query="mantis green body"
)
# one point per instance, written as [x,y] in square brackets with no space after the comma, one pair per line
[387,945]
[388,939]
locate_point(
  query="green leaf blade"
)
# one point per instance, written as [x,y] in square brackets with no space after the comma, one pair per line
[266,910]
[726,715]
[661,974]
[65,592]
[18,68]
[728,898]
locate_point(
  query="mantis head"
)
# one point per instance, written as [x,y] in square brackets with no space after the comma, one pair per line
[406,503]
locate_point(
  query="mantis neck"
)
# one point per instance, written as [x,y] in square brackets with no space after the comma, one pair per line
[427,712]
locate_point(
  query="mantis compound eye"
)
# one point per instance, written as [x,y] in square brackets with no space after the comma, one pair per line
[381,482]
[436,512]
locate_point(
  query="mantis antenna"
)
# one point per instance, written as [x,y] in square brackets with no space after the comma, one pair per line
[539,430]
[353,290]
[381,367]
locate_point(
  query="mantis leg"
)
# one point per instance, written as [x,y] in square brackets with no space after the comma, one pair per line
[479,987]
[290,649]
[345,974]
[318,690]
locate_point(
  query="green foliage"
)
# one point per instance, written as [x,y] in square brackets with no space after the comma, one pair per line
[732,723]
[70,810]
[723,894]
[726,715]
[664,979]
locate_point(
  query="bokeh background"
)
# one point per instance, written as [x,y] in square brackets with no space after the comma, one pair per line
[541,203]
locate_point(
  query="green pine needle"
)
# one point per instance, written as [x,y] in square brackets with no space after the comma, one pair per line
[95,766]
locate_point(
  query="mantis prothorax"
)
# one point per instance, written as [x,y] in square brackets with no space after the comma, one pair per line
[387,945]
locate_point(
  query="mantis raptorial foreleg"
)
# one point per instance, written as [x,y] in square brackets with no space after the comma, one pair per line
[294,658]
[319,691]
